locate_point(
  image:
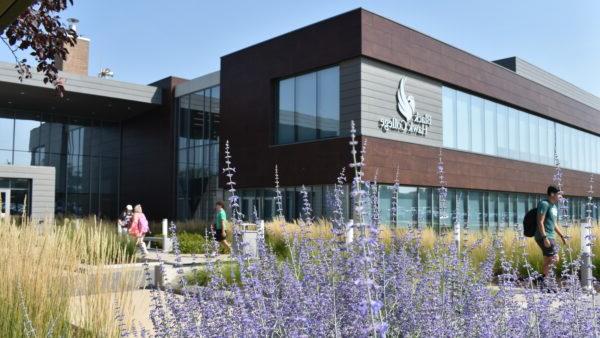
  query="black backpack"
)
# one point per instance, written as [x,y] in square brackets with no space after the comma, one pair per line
[530,223]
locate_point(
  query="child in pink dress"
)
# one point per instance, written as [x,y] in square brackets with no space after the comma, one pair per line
[139,227]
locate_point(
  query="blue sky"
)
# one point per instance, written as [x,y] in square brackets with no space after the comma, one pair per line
[146,40]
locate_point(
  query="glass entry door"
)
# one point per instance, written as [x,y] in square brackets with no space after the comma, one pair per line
[4,205]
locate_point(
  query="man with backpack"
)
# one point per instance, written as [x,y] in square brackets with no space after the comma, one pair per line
[547,229]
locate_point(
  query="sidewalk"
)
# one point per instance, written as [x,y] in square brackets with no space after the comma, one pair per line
[186,259]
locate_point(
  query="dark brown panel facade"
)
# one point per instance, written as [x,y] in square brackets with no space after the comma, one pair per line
[390,42]
[148,157]
[248,79]
[418,166]
[248,97]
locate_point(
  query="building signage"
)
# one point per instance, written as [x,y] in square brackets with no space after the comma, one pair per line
[411,122]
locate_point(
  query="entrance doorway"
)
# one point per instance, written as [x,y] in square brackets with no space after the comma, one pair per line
[15,200]
[4,205]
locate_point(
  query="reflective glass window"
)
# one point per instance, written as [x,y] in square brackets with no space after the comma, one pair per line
[534,151]
[513,133]
[184,119]
[552,141]
[7,124]
[286,111]
[581,150]
[449,117]
[475,209]
[215,104]
[503,214]
[424,212]
[198,117]
[462,117]
[588,152]
[5,157]
[305,118]
[27,130]
[23,158]
[328,102]
[503,130]
[385,203]
[562,148]
[407,205]
[492,209]
[476,124]
[543,140]
[523,136]
[597,154]
[574,146]
[490,127]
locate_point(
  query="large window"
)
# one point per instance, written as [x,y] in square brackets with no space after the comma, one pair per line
[309,106]
[198,153]
[84,153]
[483,126]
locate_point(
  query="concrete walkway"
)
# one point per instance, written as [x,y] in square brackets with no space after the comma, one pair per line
[186,259]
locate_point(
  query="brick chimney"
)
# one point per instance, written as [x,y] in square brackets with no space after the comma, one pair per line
[78,58]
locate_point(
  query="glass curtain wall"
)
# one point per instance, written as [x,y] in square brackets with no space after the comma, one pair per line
[262,203]
[483,126]
[85,154]
[198,153]
[417,206]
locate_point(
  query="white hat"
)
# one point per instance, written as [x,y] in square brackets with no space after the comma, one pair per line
[129,207]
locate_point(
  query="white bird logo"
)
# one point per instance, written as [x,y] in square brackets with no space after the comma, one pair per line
[406,104]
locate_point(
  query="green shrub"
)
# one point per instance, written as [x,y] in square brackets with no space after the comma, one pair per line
[277,244]
[230,272]
[192,243]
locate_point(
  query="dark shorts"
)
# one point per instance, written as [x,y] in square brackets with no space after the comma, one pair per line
[550,251]
[218,234]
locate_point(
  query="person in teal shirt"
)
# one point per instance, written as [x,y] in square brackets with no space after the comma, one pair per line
[547,228]
[219,227]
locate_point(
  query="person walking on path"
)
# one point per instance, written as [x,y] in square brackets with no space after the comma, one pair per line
[139,227]
[547,229]
[125,219]
[219,227]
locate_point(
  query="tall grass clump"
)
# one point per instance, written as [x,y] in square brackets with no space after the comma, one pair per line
[54,281]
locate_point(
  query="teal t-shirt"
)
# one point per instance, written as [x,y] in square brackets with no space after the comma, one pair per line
[551,212]
[220,219]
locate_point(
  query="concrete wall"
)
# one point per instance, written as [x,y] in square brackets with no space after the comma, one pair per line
[379,85]
[42,188]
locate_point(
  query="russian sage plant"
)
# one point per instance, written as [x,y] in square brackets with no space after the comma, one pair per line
[325,287]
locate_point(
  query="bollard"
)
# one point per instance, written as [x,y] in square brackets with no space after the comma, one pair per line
[261,229]
[350,231]
[586,263]
[165,234]
[457,235]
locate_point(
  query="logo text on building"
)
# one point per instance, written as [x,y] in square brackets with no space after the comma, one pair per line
[418,125]
[412,122]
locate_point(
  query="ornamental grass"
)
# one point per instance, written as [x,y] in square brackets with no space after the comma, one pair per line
[56,281]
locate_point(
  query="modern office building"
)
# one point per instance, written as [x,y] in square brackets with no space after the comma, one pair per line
[289,102]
